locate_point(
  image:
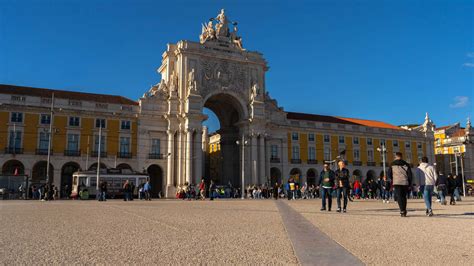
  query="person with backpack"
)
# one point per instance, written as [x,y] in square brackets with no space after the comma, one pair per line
[103,191]
[400,174]
[442,187]
[126,191]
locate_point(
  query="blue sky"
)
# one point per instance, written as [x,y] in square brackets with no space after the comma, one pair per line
[383,60]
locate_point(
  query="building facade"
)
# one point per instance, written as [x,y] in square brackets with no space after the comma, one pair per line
[454,149]
[162,132]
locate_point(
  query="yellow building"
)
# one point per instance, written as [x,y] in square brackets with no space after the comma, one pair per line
[27,114]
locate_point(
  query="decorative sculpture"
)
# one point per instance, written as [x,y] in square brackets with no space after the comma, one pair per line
[192,84]
[220,32]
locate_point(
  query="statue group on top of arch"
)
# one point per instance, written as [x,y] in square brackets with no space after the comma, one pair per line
[220,31]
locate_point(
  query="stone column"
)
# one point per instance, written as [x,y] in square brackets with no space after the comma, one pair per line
[169,170]
[179,164]
[261,160]
[189,155]
[198,154]
[254,158]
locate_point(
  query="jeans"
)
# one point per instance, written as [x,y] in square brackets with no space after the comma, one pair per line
[102,196]
[427,195]
[386,194]
[457,194]
[342,191]
[442,195]
[326,193]
[401,195]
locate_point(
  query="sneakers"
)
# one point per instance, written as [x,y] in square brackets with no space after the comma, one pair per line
[388,201]
[338,210]
[429,213]
[383,201]
[403,214]
[323,209]
[344,210]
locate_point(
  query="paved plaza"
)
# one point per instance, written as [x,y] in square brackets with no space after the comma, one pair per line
[233,232]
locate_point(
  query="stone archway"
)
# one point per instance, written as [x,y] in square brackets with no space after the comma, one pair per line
[296,174]
[39,172]
[124,166]
[275,176]
[66,177]
[357,174]
[93,166]
[225,162]
[371,175]
[311,176]
[156,179]
[13,167]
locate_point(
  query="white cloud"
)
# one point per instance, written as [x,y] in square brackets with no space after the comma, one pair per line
[468,64]
[459,102]
[471,54]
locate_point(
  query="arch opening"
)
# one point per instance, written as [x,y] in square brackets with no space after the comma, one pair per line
[156,180]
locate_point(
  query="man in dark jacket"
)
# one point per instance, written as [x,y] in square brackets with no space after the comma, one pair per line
[342,185]
[326,184]
[400,174]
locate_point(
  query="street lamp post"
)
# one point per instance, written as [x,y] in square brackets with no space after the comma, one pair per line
[383,150]
[242,144]
[50,139]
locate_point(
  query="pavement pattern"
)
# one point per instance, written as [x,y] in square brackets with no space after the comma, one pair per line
[232,232]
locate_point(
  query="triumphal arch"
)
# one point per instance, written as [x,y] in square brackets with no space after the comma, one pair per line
[220,74]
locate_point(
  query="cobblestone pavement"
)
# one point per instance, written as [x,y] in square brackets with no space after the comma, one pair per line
[226,232]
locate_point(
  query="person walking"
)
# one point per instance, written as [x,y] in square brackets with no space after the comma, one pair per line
[126,190]
[202,189]
[452,186]
[385,185]
[342,183]
[400,174]
[103,191]
[427,176]
[292,188]
[442,187]
[275,190]
[147,190]
[326,183]
[212,188]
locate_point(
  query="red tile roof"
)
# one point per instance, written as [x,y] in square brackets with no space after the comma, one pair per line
[340,120]
[458,133]
[73,95]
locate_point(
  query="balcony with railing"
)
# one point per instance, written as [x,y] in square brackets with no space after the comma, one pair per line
[312,161]
[155,156]
[73,153]
[126,155]
[13,150]
[43,152]
[370,163]
[274,160]
[296,161]
[357,163]
[103,154]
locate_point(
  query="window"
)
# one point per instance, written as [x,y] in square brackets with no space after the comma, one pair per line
[155,146]
[370,155]
[341,140]
[407,144]
[369,141]
[327,154]
[296,153]
[125,125]
[311,137]
[74,121]
[43,141]
[17,117]
[99,122]
[356,155]
[419,145]
[294,136]
[45,119]
[327,138]
[382,141]
[395,143]
[73,142]
[96,143]
[312,153]
[15,139]
[124,145]
[274,151]
[356,140]
[408,157]
[16,98]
